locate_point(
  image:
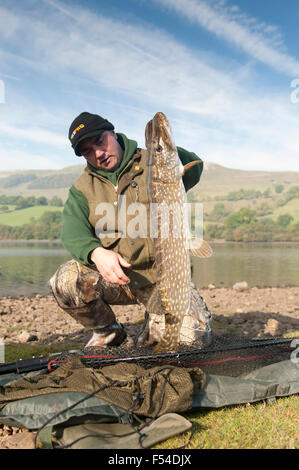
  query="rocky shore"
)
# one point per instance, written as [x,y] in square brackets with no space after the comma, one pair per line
[36,319]
[251,311]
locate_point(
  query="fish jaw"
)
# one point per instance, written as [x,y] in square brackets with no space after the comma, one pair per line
[158,132]
[162,159]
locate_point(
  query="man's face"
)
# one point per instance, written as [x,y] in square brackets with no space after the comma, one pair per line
[103,152]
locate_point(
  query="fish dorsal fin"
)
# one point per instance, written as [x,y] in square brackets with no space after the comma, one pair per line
[200,248]
[190,165]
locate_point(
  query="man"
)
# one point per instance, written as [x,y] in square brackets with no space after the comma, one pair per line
[108,267]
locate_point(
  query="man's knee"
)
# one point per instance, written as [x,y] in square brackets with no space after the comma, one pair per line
[74,284]
[74,287]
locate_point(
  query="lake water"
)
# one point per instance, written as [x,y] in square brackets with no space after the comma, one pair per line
[26,267]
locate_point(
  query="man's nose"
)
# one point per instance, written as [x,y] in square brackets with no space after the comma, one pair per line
[99,152]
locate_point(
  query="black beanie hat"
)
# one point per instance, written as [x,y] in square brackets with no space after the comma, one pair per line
[87,125]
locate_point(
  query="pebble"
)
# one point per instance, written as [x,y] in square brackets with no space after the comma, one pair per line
[43,321]
[273,327]
[240,286]
[26,337]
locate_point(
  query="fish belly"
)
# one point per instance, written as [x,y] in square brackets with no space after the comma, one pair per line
[173,284]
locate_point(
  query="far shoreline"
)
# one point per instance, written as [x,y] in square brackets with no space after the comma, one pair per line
[213,289]
[12,241]
[216,242]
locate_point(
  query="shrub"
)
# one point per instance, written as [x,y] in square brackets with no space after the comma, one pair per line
[279,188]
[243,216]
[284,220]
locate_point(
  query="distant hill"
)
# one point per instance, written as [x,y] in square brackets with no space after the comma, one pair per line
[238,205]
[216,180]
[46,183]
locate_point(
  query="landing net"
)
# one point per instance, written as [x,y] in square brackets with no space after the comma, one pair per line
[229,355]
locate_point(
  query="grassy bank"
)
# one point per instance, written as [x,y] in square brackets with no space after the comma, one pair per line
[262,425]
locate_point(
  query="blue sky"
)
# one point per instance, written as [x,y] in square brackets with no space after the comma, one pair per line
[226,73]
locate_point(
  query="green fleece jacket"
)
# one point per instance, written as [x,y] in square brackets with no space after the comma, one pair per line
[78,235]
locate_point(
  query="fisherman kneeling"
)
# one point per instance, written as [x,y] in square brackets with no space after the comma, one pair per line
[109,267]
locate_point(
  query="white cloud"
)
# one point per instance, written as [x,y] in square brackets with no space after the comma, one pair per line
[261,41]
[212,111]
[14,159]
[10,21]
[11,77]
[34,135]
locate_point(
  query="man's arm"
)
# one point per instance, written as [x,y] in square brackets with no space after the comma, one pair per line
[192,176]
[77,234]
[79,238]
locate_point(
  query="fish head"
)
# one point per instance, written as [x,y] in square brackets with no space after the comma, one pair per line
[162,151]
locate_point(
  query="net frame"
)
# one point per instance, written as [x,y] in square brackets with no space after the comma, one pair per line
[228,355]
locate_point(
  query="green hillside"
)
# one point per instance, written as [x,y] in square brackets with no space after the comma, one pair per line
[16,218]
[47,183]
[252,215]
[216,180]
[238,205]
[269,194]
[292,207]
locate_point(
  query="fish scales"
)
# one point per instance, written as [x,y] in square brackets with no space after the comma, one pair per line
[165,188]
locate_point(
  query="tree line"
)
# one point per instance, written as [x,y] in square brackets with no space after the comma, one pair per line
[244,225]
[249,194]
[46,227]
[21,202]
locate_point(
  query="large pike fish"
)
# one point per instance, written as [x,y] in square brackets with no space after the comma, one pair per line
[173,295]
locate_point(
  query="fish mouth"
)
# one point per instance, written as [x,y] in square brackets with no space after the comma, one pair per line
[158,131]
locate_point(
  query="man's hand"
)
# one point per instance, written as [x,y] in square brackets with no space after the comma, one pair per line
[109,265]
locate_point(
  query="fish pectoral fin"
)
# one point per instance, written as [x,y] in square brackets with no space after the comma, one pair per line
[154,303]
[200,248]
[190,165]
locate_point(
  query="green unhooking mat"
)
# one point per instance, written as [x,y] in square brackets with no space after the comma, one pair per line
[146,392]
[125,405]
[101,408]
[276,380]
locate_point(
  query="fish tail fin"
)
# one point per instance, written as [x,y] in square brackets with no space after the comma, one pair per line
[171,334]
[170,339]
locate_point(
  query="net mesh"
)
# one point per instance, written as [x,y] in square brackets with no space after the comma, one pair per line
[229,354]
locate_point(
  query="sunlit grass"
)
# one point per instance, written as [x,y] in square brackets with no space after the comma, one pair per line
[257,426]
[23,216]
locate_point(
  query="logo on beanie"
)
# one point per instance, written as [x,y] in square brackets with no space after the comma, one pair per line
[76,130]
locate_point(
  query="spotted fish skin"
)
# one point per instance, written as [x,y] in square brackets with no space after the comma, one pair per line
[172,293]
